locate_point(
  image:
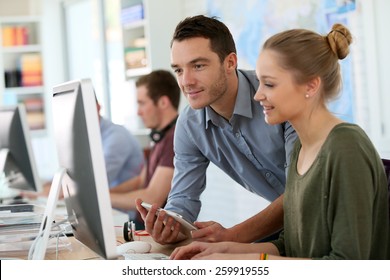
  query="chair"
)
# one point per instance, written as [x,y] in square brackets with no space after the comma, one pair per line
[386,163]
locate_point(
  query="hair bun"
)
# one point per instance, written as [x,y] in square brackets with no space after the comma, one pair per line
[339,39]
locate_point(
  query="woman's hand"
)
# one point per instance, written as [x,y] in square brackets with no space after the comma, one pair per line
[211,232]
[198,250]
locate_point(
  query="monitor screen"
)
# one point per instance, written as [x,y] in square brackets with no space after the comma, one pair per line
[17,163]
[80,153]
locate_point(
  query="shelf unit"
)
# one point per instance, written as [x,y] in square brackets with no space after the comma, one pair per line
[147,33]
[21,65]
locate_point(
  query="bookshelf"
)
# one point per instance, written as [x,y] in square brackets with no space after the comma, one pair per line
[21,64]
[147,28]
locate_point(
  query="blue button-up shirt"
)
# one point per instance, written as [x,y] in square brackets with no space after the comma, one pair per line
[123,155]
[252,152]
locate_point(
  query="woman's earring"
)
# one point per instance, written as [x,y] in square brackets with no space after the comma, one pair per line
[307,96]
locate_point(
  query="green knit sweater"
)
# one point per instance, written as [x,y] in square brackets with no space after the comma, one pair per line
[338,209]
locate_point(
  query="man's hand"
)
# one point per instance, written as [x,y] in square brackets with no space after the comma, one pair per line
[44,193]
[163,229]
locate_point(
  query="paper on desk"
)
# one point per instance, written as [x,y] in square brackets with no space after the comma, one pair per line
[9,218]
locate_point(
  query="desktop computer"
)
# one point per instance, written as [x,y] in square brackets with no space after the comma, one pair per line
[18,171]
[82,177]
[82,174]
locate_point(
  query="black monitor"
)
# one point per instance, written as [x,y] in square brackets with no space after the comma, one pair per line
[18,169]
[80,154]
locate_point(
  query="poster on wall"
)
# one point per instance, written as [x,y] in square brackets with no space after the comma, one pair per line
[253,21]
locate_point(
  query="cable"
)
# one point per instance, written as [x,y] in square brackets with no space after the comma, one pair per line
[58,241]
[38,239]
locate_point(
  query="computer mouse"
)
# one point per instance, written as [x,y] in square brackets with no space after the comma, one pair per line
[132,247]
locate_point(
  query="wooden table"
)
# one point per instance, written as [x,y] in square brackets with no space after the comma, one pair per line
[75,250]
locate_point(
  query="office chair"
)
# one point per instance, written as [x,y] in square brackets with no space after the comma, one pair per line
[386,163]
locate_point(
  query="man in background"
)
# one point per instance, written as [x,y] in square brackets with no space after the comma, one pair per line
[158,98]
[122,152]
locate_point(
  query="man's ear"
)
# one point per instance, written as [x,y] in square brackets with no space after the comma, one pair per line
[231,62]
[163,101]
[98,107]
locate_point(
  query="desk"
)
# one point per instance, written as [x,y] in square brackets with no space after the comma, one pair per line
[78,251]
[75,250]
[70,247]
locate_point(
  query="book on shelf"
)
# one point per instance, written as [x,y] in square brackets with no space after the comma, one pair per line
[36,120]
[135,57]
[34,111]
[33,104]
[12,78]
[132,14]
[15,35]
[31,69]
[8,36]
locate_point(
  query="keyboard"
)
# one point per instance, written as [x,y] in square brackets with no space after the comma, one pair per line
[149,256]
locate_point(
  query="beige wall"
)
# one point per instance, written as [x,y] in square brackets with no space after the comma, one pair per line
[20,7]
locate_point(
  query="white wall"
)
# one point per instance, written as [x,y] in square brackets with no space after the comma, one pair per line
[376,46]
[54,65]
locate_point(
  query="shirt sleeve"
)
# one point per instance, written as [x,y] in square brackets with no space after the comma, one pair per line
[352,194]
[279,243]
[189,179]
[166,159]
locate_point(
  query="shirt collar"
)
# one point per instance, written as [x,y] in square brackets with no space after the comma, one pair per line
[242,106]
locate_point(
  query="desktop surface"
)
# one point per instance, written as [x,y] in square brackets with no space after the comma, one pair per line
[75,250]
[72,249]
[69,247]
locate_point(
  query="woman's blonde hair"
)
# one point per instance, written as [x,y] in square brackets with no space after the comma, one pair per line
[309,54]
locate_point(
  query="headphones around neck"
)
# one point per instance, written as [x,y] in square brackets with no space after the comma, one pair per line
[158,135]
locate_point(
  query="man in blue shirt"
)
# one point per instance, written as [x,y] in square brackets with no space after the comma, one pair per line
[223,125]
[122,152]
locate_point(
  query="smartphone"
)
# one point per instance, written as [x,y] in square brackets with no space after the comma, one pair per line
[186,226]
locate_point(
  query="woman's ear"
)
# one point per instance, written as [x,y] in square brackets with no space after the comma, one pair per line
[313,86]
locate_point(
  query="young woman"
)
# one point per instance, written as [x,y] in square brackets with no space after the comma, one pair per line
[335,203]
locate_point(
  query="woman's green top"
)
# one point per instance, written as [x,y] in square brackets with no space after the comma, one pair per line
[338,209]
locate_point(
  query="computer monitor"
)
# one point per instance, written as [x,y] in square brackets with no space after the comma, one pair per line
[80,154]
[18,169]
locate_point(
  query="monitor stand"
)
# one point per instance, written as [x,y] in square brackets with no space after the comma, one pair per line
[5,191]
[12,180]
[3,158]
[40,244]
